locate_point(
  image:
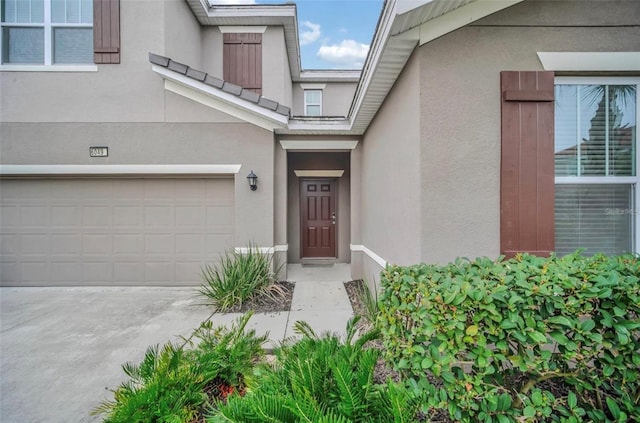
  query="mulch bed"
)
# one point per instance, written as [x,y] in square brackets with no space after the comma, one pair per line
[280,301]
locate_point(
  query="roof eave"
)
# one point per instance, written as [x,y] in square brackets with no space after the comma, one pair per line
[284,15]
[403,25]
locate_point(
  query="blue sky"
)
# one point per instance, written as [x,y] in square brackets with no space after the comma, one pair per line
[334,34]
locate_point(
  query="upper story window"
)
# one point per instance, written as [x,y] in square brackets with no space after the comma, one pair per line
[596,159]
[47,32]
[313,102]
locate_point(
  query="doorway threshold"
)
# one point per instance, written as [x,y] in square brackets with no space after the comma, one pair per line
[317,272]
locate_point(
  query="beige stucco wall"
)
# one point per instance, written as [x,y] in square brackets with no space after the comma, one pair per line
[460,110]
[336,98]
[275,85]
[126,92]
[390,196]
[182,34]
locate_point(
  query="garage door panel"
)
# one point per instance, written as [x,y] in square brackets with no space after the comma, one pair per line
[218,243]
[219,191]
[127,216]
[127,272]
[189,244]
[112,231]
[190,216]
[63,272]
[127,244]
[159,272]
[97,216]
[217,216]
[36,215]
[158,215]
[97,243]
[97,272]
[9,215]
[162,189]
[188,273]
[9,270]
[35,245]
[65,244]
[34,272]
[159,244]
[9,245]
[65,216]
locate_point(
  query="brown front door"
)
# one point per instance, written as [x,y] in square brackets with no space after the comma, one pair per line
[318,216]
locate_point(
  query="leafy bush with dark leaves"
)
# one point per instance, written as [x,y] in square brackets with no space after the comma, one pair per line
[526,339]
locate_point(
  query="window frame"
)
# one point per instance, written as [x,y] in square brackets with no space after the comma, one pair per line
[49,28]
[307,103]
[623,180]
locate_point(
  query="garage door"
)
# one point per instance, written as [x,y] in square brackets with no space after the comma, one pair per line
[112,231]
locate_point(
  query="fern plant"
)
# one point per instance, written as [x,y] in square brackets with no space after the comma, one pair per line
[320,379]
[169,384]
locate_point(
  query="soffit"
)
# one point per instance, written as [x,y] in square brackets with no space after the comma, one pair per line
[402,26]
[424,13]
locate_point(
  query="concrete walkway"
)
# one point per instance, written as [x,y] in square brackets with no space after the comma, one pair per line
[61,349]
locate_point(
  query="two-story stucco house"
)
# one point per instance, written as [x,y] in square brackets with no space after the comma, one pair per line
[476,127]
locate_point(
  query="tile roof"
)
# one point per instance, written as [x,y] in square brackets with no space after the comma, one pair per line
[220,84]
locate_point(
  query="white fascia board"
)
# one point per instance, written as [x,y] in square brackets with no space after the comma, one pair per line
[220,100]
[318,144]
[460,17]
[319,126]
[329,76]
[252,11]
[328,173]
[246,29]
[590,61]
[373,58]
[313,86]
[117,170]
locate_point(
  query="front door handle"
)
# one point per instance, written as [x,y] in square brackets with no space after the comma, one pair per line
[333,218]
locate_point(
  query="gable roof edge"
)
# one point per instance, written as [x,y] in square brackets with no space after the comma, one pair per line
[220,100]
[396,37]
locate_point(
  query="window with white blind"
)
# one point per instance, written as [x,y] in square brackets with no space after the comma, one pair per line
[596,158]
[47,32]
[313,102]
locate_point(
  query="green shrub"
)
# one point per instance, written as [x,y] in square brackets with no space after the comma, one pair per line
[526,339]
[238,277]
[320,379]
[170,383]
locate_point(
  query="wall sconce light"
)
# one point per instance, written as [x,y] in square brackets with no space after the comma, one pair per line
[253,181]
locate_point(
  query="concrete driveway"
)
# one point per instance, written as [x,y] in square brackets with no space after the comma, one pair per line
[61,349]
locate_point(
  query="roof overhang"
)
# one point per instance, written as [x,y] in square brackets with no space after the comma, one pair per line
[220,100]
[403,25]
[283,15]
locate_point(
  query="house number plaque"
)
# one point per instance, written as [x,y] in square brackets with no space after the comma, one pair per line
[98,151]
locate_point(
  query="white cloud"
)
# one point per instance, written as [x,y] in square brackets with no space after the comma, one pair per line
[346,54]
[217,2]
[311,34]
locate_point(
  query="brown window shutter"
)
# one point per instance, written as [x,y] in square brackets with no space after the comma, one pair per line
[242,60]
[106,31]
[527,166]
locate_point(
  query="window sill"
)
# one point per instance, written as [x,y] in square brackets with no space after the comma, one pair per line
[47,68]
